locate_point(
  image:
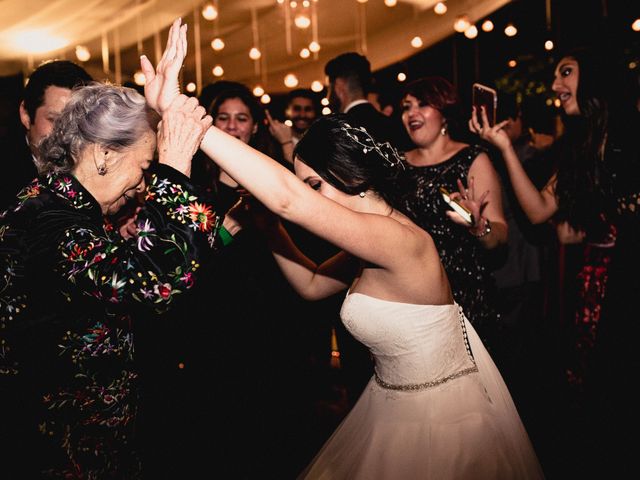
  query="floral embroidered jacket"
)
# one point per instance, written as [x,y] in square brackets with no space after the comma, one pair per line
[70,287]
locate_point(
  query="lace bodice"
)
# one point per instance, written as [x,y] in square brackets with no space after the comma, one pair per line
[411,344]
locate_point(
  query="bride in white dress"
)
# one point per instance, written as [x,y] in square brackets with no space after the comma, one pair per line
[437,407]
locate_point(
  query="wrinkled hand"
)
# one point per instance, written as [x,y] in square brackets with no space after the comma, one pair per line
[180,132]
[494,135]
[162,85]
[467,198]
[279,130]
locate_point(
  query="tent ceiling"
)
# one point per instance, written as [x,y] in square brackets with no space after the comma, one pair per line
[141,25]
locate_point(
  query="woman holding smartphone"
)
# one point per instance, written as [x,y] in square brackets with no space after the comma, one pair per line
[594,198]
[429,108]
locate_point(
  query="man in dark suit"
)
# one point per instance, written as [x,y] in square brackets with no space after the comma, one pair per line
[45,95]
[349,79]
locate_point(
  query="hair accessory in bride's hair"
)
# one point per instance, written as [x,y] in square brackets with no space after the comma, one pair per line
[366,141]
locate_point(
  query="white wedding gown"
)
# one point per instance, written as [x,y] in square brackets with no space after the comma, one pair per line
[437,407]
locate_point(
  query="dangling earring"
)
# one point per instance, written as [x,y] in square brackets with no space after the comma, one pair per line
[443,130]
[362,194]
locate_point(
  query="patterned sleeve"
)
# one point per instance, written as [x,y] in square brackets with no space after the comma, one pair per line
[176,228]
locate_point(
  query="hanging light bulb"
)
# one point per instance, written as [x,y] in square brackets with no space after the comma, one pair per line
[512,63]
[510,30]
[217,71]
[440,8]
[363,1]
[324,102]
[293,4]
[548,45]
[209,12]
[302,21]
[139,78]
[290,80]
[217,44]
[317,86]
[288,123]
[306,4]
[314,47]
[265,98]
[471,32]
[258,91]
[254,54]
[305,53]
[487,26]
[416,42]
[191,87]
[402,77]
[390,3]
[82,53]
[326,111]
[461,23]
[635,26]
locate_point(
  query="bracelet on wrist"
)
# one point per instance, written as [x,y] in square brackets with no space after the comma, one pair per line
[225,237]
[485,231]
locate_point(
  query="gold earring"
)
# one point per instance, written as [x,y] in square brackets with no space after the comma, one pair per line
[443,130]
[362,194]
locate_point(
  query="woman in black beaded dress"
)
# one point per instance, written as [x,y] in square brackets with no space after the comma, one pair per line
[428,113]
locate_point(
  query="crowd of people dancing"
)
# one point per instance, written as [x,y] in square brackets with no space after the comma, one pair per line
[174,268]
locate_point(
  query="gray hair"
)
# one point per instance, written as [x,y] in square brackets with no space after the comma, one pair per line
[111,116]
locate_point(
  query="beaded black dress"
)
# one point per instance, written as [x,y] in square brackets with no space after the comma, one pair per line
[463,257]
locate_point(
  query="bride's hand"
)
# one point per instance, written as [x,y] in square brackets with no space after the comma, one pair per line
[162,85]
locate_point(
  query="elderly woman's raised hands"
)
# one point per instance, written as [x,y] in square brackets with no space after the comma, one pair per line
[162,85]
[180,132]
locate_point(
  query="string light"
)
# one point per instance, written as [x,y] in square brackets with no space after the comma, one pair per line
[548,45]
[191,87]
[209,12]
[265,98]
[402,77]
[512,63]
[471,32]
[326,111]
[217,71]
[416,42]
[290,80]
[217,44]
[440,8]
[461,23]
[288,123]
[139,78]
[302,21]
[510,30]
[635,26]
[390,3]
[317,86]
[324,102]
[258,91]
[82,53]
[487,26]
[314,47]
[254,53]
[305,53]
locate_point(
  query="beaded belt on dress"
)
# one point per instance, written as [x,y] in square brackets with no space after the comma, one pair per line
[412,387]
[425,385]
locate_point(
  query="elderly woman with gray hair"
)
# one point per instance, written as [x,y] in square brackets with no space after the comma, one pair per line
[71,281]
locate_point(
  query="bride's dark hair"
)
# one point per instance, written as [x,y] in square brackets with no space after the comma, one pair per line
[349,159]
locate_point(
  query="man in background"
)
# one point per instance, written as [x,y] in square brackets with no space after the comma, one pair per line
[349,82]
[45,95]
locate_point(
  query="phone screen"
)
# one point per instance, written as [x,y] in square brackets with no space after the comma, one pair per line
[487,97]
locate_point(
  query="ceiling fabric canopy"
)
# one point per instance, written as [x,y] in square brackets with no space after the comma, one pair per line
[116,31]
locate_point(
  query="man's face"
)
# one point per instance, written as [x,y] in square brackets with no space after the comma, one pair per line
[301,113]
[55,98]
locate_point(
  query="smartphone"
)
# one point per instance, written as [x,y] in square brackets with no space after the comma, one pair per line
[487,97]
[456,207]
